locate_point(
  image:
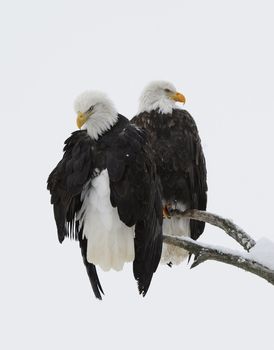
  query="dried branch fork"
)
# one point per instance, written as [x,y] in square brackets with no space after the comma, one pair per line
[203,252]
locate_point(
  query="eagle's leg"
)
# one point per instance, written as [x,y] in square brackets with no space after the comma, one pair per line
[167,209]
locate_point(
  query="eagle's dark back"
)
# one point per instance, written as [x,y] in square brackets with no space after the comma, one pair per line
[179,158]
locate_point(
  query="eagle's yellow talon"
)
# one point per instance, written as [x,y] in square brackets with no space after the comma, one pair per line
[166,214]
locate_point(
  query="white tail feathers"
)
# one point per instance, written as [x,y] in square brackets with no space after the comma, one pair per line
[110,241]
[175,227]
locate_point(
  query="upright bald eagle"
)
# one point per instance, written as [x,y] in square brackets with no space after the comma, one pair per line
[179,158]
[105,193]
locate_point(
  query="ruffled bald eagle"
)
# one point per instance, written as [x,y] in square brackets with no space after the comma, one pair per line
[179,158]
[105,193]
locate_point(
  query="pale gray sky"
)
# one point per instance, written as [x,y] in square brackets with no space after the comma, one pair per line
[220,55]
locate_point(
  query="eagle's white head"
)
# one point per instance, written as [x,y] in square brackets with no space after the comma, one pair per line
[160,95]
[95,113]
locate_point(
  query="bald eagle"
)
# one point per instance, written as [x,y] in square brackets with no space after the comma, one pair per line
[179,158]
[105,193]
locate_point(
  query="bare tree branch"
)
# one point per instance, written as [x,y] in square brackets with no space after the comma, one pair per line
[203,252]
[225,224]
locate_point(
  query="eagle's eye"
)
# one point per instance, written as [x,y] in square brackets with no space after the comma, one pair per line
[90,109]
[167,90]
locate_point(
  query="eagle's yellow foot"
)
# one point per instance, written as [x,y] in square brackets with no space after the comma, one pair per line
[166,213]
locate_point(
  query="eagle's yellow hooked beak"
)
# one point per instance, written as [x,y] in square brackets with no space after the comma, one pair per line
[81,119]
[178,97]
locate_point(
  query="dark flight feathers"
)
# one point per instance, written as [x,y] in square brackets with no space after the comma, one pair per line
[135,191]
[65,184]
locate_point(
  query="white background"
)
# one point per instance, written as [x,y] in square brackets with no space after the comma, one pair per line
[220,55]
